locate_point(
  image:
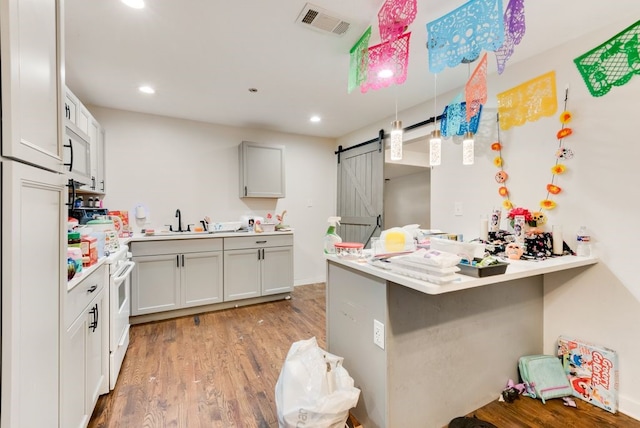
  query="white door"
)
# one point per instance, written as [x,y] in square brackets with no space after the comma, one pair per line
[33,219]
[31,94]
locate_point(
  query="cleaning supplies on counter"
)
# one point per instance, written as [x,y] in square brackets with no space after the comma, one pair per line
[331,238]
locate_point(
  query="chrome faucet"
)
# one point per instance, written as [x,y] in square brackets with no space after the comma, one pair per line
[179,215]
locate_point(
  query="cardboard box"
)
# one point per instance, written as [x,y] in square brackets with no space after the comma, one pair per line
[124,216]
[592,371]
[89,246]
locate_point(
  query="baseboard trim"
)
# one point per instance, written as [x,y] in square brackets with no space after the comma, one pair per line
[629,407]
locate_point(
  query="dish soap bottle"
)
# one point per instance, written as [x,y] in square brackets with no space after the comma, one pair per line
[331,238]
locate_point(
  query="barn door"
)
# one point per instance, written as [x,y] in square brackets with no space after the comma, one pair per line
[360,191]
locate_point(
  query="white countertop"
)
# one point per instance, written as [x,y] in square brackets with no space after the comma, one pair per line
[141,237]
[517,269]
[84,273]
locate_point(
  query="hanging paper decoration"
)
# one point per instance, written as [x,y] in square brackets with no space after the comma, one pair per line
[528,101]
[388,56]
[613,63]
[461,35]
[552,188]
[514,28]
[454,120]
[359,61]
[475,90]
[394,17]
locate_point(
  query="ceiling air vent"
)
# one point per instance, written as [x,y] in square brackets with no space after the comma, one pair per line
[319,19]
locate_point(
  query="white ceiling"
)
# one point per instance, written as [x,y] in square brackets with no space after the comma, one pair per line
[202,56]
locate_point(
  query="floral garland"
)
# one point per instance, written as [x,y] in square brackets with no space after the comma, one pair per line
[562,153]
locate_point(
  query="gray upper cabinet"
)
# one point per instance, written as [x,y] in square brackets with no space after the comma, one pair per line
[261,170]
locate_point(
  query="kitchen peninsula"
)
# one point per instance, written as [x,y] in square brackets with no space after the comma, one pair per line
[448,349]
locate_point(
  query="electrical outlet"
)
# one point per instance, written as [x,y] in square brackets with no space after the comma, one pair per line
[378,333]
[457,208]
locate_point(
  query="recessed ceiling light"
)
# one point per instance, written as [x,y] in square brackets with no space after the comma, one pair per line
[315,118]
[147,90]
[136,4]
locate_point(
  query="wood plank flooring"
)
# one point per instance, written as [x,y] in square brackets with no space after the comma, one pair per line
[220,369]
[212,370]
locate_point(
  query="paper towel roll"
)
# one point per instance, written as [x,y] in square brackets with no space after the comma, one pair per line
[140,212]
[556,232]
[484,229]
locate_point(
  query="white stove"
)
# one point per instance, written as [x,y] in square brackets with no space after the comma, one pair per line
[120,267]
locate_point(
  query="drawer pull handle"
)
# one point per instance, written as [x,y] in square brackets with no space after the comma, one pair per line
[261,242]
[92,288]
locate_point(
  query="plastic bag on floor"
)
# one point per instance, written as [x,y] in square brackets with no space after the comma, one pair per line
[313,389]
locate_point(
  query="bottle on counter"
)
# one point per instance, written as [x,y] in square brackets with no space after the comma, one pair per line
[583,242]
[331,238]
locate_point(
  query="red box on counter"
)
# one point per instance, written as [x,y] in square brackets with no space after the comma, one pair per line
[89,246]
[124,216]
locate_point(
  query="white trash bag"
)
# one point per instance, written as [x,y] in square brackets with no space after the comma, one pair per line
[313,389]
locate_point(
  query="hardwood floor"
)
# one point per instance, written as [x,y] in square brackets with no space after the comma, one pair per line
[212,370]
[220,369]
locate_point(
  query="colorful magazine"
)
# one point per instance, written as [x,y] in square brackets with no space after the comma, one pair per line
[592,371]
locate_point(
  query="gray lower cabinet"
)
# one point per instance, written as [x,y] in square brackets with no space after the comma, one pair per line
[174,274]
[85,365]
[257,266]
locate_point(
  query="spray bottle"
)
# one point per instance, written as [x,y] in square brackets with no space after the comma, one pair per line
[331,238]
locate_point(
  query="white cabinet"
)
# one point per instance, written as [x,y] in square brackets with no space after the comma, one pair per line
[76,115]
[96,141]
[257,266]
[176,274]
[85,363]
[101,178]
[33,238]
[262,170]
[71,107]
[84,149]
[29,45]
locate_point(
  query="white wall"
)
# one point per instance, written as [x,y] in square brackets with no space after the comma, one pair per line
[600,304]
[166,164]
[406,200]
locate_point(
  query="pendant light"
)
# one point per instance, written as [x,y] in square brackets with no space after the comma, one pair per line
[396,136]
[467,141]
[396,140]
[435,142]
[467,149]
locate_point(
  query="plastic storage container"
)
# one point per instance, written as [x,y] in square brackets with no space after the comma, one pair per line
[349,250]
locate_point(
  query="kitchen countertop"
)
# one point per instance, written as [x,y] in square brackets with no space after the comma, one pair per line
[86,271]
[517,269]
[141,237]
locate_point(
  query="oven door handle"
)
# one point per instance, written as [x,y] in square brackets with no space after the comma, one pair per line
[129,265]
